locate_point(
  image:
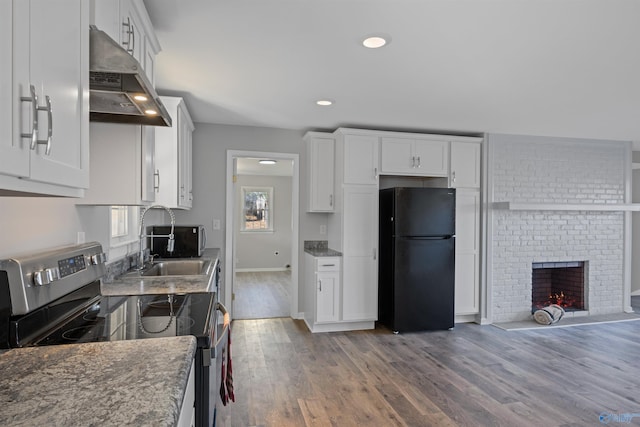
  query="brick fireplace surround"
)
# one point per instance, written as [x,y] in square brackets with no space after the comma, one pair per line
[554,172]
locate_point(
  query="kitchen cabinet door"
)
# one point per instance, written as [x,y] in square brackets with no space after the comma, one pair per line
[465,164]
[327,294]
[320,164]
[360,253]
[467,269]
[396,155]
[415,157]
[360,159]
[432,157]
[49,95]
[122,165]
[174,157]
[14,152]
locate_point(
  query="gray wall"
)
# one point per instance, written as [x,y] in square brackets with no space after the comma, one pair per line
[257,251]
[210,145]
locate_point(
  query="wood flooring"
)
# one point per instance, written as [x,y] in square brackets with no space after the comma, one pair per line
[261,295]
[471,376]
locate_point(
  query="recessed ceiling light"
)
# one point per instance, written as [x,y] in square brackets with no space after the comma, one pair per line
[140,98]
[376,41]
[150,112]
[324,102]
[267,162]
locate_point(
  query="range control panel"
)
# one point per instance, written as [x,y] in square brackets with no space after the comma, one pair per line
[71,265]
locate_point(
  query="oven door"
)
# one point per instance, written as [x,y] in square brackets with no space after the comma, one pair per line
[219,412]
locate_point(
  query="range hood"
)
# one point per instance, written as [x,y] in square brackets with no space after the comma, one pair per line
[119,90]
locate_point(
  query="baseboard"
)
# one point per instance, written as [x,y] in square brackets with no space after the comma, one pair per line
[259,270]
[635,293]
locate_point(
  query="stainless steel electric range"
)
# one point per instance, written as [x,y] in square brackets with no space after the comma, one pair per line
[53,297]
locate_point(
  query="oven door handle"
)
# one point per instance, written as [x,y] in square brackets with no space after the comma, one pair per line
[226,322]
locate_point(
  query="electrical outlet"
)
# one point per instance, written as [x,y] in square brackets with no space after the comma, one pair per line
[323,229]
[216,224]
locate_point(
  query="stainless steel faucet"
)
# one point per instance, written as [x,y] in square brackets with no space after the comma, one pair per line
[170,242]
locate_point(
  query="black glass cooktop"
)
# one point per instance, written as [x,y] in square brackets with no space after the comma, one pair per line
[135,317]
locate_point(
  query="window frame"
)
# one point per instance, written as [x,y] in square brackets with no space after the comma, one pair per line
[270,208]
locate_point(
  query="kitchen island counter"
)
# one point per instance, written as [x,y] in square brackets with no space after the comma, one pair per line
[120,383]
[132,284]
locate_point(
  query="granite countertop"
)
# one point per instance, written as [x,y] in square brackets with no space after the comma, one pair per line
[319,248]
[148,285]
[322,252]
[119,383]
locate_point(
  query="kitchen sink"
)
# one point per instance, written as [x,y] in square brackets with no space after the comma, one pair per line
[173,267]
[177,268]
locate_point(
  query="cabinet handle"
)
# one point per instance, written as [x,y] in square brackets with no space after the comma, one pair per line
[33,99]
[413,162]
[375,173]
[328,265]
[375,254]
[330,199]
[128,32]
[320,284]
[419,162]
[49,111]
[156,178]
[453,176]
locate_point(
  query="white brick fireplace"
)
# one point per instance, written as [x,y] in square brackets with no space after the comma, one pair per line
[536,190]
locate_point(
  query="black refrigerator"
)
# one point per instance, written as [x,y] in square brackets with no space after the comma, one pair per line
[417,259]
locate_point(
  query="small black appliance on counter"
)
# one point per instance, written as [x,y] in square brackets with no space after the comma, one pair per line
[190,240]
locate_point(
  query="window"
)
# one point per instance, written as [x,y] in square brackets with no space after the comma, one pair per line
[257,209]
[124,220]
[119,221]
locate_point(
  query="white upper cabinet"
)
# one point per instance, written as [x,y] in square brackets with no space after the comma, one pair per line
[465,164]
[320,164]
[122,165]
[128,23]
[174,156]
[360,155]
[44,146]
[413,156]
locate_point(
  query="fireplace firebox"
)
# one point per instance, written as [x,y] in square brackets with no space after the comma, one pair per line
[561,283]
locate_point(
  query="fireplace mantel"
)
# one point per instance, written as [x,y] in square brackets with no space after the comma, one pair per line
[516,206]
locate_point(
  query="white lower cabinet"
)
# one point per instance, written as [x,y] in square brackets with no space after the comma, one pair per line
[187,417]
[322,290]
[467,270]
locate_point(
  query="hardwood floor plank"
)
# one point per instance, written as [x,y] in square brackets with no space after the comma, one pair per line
[471,376]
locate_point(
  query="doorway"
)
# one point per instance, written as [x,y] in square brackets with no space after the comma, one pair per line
[261,270]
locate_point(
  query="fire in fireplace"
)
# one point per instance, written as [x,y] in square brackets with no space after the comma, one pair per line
[559,283]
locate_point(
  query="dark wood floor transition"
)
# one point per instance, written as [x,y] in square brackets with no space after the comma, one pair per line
[471,376]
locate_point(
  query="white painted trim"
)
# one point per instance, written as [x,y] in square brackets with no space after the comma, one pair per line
[486,265]
[628,234]
[261,270]
[230,221]
[340,326]
[587,207]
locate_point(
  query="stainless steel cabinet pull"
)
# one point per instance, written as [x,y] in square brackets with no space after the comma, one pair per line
[328,265]
[413,162]
[320,283]
[375,254]
[49,111]
[375,173]
[156,178]
[33,99]
[331,200]
[453,176]
[129,32]
[419,162]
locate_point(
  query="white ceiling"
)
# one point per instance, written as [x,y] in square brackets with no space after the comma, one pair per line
[540,67]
